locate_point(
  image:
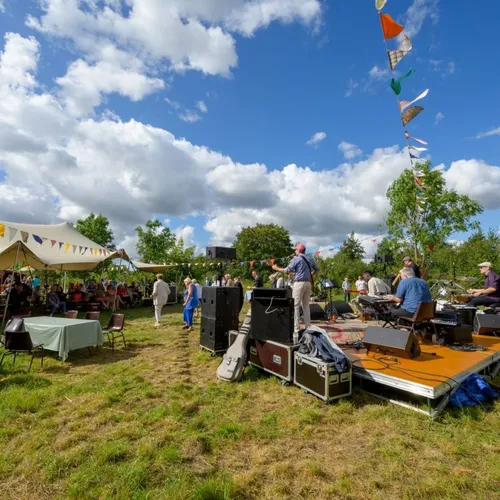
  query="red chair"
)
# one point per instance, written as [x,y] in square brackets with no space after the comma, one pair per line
[114,329]
[92,315]
[71,315]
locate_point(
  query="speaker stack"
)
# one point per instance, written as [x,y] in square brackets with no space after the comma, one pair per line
[272,314]
[220,308]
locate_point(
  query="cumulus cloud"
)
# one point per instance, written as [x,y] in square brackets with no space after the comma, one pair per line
[316,139]
[377,73]
[190,116]
[202,106]
[417,13]
[495,131]
[350,151]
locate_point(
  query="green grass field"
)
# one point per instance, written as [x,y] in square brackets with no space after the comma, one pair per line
[151,421]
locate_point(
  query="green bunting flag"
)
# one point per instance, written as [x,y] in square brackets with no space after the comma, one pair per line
[396,84]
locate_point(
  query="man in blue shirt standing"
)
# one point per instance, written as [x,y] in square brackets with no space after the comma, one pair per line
[411,292]
[303,268]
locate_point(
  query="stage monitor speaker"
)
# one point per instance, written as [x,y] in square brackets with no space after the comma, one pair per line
[317,312]
[340,307]
[485,324]
[221,253]
[272,319]
[389,342]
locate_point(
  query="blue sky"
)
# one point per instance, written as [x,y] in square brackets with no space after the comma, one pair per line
[229,147]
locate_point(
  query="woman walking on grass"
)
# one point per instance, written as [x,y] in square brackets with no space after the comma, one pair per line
[190,303]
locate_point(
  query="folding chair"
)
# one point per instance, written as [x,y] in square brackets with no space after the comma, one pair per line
[71,315]
[20,341]
[114,329]
[423,316]
[93,315]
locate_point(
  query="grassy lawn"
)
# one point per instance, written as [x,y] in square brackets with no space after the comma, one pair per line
[151,421]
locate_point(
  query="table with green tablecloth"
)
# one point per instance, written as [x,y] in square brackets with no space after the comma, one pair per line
[64,335]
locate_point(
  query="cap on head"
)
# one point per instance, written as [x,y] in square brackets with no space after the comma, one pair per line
[406,259]
[485,264]
[301,248]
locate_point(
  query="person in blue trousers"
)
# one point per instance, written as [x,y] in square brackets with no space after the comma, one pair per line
[191,302]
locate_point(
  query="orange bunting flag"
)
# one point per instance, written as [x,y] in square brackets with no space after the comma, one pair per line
[390,27]
[2,230]
[67,246]
[379,4]
[410,114]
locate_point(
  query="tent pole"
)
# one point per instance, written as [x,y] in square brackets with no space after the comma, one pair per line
[116,290]
[10,287]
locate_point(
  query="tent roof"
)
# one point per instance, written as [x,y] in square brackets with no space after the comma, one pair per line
[151,268]
[18,248]
[58,246]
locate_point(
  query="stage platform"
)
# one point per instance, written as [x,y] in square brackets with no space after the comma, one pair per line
[424,384]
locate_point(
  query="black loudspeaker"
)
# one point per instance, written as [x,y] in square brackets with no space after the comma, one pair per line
[220,308]
[386,341]
[221,253]
[340,307]
[265,293]
[455,334]
[272,319]
[485,324]
[317,312]
[172,296]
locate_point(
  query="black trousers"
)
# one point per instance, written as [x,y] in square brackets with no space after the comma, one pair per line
[484,301]
[401,313]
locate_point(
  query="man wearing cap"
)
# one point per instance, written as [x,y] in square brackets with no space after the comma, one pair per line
[409,263]
[303,267]
[490,294]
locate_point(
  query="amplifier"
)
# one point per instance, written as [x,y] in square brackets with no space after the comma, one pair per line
[266,293]
[455,334]
[221,253]
[387,341]
[272,319]
[485,324]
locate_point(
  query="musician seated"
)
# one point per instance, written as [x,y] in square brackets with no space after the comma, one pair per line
[374,288]
[490,294]
[411,292]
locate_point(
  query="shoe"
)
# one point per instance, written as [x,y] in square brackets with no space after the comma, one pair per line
[157,324]
[185,327]
[189,328]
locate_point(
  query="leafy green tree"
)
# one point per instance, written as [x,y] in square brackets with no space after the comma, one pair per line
[423,217]
[352,248]
[263,241]
[155,242]
[96,227]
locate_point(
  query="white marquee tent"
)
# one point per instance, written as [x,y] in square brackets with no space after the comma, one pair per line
[52,246]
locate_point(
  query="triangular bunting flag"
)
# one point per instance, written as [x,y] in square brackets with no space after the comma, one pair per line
[44,239]
[24,236]
[396,56]
[60,245]
[396,84]
[74,248]
[67,246]
[406,104]
[100,251]
[417,149]
[2,230]
[86,248]
[37,239]
[419,181]
[80,248]
[420,141]
[52,243]
[414,157]
[379,4]
[390,27]
[12,233]
[410,114]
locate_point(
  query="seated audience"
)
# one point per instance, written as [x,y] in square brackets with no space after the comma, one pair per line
[37,296]
[53,302]
[114,300]
[411,292]
[122,292]
[490,294]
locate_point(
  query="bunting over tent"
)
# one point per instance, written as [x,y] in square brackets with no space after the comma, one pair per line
[51,246]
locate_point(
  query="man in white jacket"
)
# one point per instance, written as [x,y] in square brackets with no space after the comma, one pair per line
[161,292]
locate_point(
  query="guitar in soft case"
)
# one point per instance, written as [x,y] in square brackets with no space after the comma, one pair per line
[234,360]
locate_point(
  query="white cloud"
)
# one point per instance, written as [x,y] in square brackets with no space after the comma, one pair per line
[174,104]
[190,116]
[19,61]
[486,181]
[439,117]
[377,73]
[202,106]
[350,151]
[187,235]
[352,85]
[316,139]
[417,13]
[495,131]
[2,6]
